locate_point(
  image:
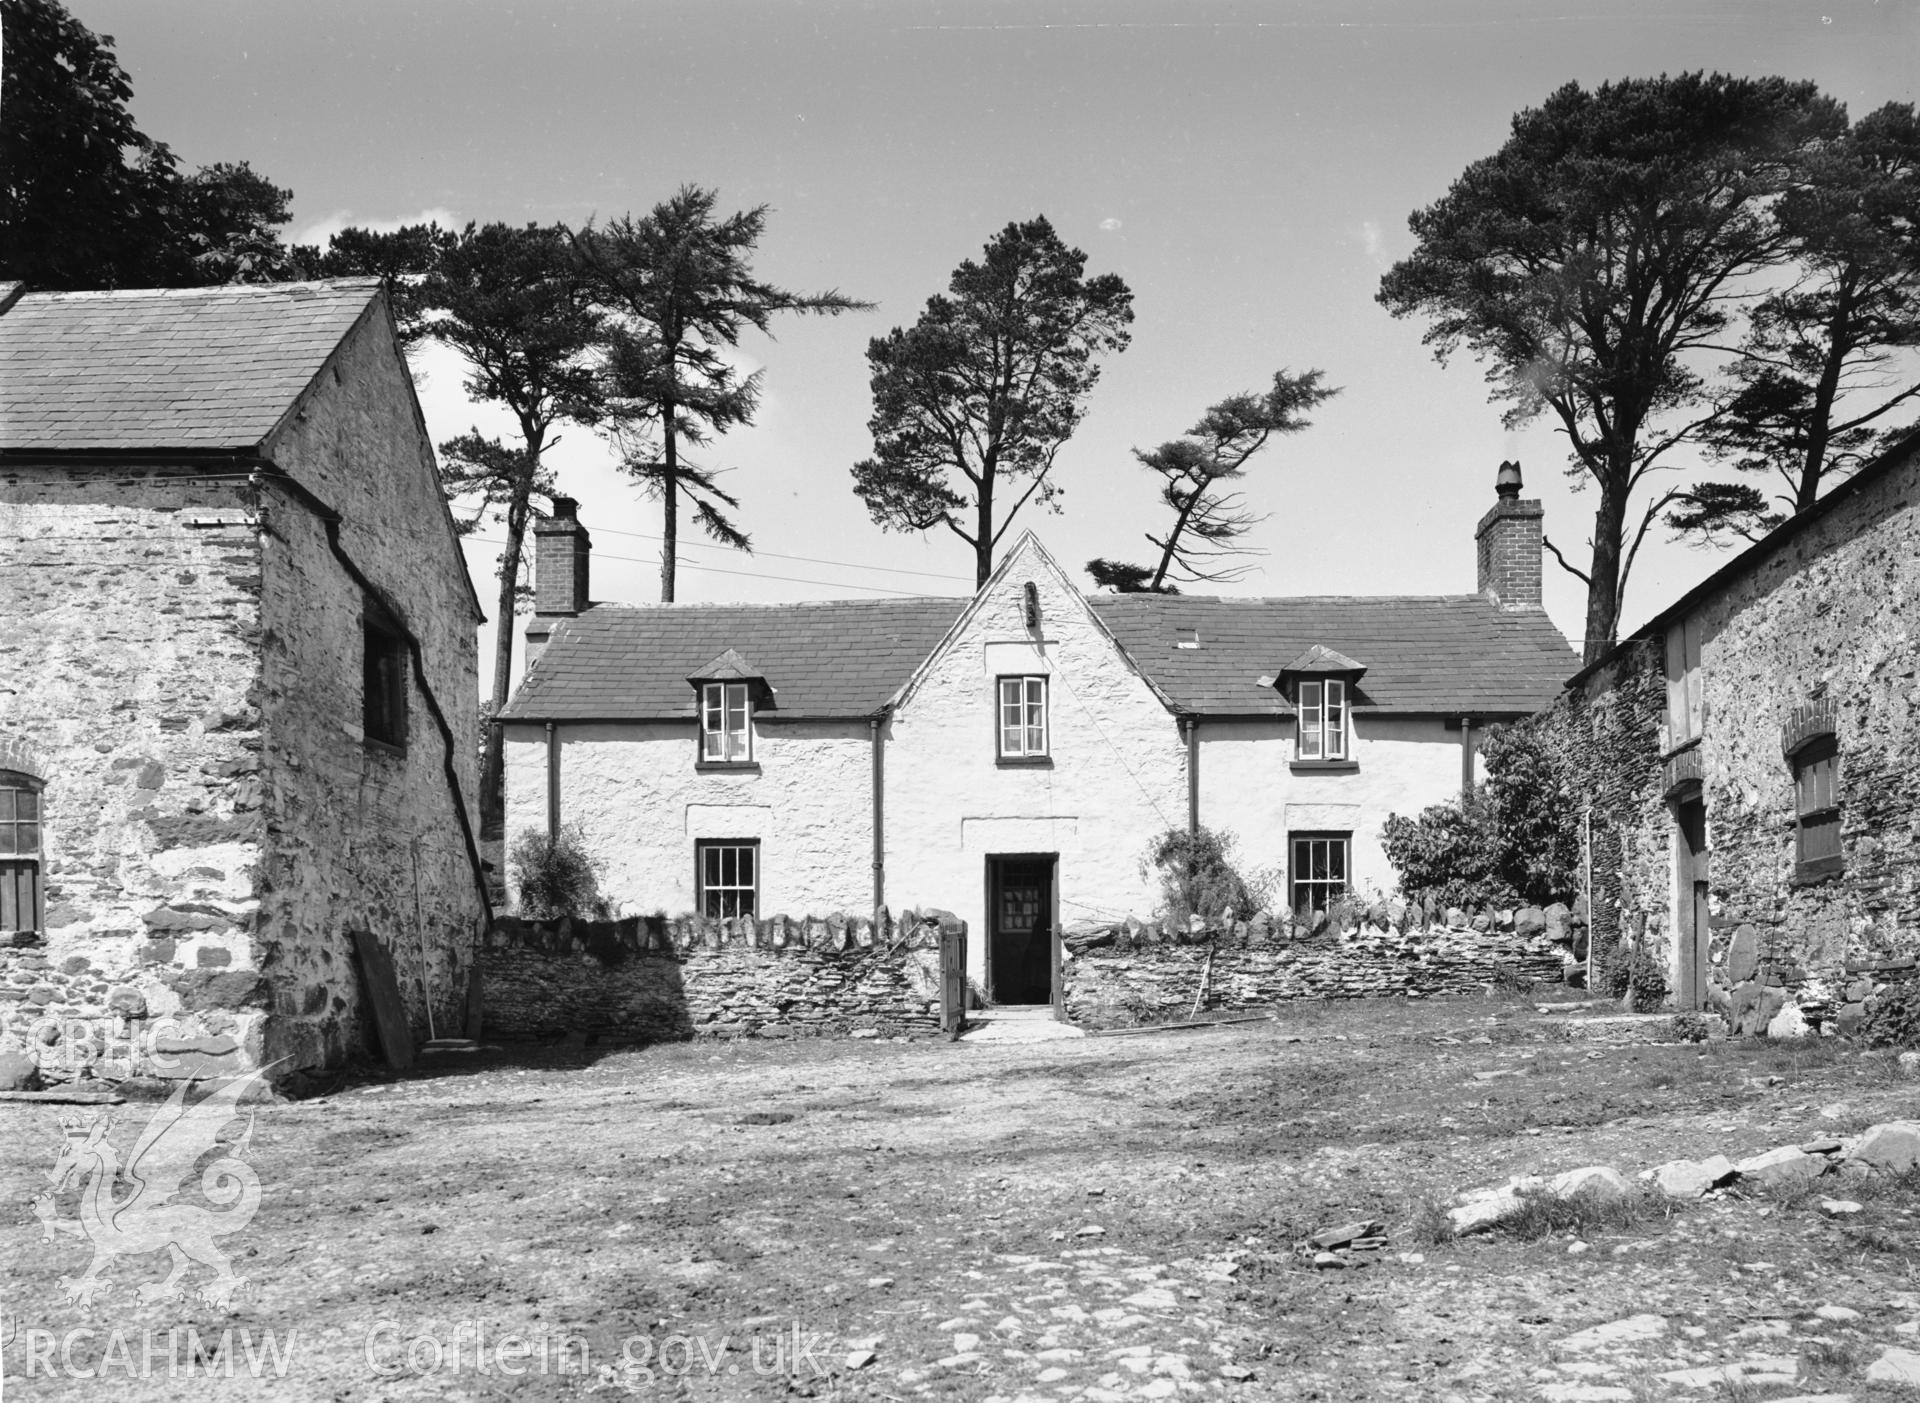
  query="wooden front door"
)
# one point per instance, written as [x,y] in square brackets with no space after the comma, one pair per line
[1690,881]
[1020,936]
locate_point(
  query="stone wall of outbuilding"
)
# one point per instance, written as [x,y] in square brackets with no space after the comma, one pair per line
[182,653]
[1830,619]
[129,636]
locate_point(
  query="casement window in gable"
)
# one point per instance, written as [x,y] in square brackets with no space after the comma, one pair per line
[1022,721]
[727,691]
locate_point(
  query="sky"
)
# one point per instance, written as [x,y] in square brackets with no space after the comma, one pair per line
[1248,169]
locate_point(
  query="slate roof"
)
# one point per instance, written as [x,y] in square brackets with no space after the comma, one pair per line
[837,658]
[1424,653]
[1443,654]
[175,368]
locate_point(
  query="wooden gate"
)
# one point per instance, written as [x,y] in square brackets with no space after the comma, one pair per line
[953,979]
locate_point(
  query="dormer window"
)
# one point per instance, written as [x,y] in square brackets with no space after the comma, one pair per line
[726,692]
[1322,707]
[1320,683]
[726,727]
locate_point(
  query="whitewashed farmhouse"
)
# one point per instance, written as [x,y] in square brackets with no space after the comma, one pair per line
[1009,757]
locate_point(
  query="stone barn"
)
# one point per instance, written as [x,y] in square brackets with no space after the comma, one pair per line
[1751,758]
[237,682]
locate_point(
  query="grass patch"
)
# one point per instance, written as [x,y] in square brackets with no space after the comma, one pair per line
[1428,1224]
[1580,1214]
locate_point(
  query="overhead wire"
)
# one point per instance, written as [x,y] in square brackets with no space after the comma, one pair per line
[744,574]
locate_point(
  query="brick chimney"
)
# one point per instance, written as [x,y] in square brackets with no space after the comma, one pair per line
[1509,538]
[562,551]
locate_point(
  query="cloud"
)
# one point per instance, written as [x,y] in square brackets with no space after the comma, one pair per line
[1109,224]
[1370,239]
[318,232]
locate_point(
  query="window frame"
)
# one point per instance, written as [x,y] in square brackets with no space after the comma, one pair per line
[1321,707]
[14,783]
[1817,809]
[1026,681]
[717,846]
[384,660]
[1341,841]
[725,708]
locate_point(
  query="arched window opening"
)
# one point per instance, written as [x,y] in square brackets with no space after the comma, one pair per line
[22,903]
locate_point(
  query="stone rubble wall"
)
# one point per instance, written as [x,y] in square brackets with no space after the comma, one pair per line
[134,610]
[361,835]
[1824,622]
[652,979]
[1827,622]
[1132,972]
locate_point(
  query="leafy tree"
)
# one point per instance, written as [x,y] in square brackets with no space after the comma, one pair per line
[1821,366]
[1209,519]
[511,302]
[678,290]
[226,222]
[1514,838]
[986,386]
[401,259]
[88,200]
[1593,257]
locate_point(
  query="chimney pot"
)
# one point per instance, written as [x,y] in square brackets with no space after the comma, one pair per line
[1506,482]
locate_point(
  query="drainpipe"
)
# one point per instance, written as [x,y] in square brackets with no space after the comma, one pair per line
[879,815]
[1466,759]
[1193,775]
[553,783]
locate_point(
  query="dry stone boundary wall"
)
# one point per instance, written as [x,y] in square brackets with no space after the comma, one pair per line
[1133,973]
[652,979]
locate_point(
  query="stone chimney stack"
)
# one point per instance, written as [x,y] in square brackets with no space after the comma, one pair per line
[1509,538]
[562,551]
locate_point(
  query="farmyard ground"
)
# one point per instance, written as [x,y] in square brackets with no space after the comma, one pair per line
[1103,1218]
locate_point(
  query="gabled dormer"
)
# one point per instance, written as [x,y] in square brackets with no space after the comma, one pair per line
[727,692]
[1320,686]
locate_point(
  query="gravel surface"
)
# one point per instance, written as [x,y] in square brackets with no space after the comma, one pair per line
[1104,1218]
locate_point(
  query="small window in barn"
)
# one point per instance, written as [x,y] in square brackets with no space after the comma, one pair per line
[21,905]
[1816,803]
[727,877]
[1022,723]
[1317,870]
[726,728]
[1322,707]
[383,689]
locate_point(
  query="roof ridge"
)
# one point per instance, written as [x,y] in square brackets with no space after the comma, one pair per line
[612,605]
[217,289]
[1468,596]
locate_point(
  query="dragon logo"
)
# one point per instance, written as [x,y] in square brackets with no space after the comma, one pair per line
[128,1210]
